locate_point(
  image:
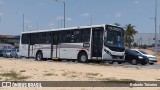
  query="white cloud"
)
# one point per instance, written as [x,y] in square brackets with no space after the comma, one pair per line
[118,15]
[62,18]
[27,21]
[69,19]
[136,2]
[86,14]
[51,24]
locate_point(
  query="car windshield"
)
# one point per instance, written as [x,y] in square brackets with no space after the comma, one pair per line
[143,52]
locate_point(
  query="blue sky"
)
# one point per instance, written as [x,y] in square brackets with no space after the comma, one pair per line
[49,14]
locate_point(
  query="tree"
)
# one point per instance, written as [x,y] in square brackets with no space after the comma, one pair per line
[130,32]
[2,39]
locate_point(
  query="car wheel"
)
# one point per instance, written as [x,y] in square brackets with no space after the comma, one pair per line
[110,62]
[39,56]
[134,62]
[151,63]
[143,63]
[82,57]
[119,62]
[15,56]
[10,56]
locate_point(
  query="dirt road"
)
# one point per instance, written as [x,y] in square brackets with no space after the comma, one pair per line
[31,70]
[52,70]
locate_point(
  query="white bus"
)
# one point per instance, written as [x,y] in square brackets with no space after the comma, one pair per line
[96,42]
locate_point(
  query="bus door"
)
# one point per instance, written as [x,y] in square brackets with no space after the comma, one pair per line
[55,45]
[97,42]
[31,45]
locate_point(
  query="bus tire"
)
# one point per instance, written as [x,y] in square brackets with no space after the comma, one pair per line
[39,56]
[82,57]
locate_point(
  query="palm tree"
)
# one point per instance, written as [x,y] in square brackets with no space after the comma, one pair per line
[130,32]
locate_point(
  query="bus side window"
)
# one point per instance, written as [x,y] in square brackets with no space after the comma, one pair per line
[38,38]
[85,35]
[25,39]
[63,37]
[69,37]
[76,36]
[48,37]
[32,40]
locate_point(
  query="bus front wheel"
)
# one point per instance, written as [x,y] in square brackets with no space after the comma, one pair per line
[39,56]
[82,57]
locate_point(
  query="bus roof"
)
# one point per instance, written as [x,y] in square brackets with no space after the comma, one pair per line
[61,29]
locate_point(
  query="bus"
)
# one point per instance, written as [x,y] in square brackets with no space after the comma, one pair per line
[83,43]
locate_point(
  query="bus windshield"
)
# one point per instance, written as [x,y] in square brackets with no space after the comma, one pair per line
[115,38]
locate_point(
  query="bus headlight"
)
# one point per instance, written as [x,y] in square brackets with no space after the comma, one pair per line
[107,51]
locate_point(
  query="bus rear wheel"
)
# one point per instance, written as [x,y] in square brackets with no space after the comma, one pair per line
[82,57]
[39,56]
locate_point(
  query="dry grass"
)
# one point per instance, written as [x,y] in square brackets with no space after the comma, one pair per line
[114,79]
[13,76]
[50,74]
[108,79]
[92,74]
[157,79]
[69,73]
[73,76]
[45,71]
[131,80]
[22,71]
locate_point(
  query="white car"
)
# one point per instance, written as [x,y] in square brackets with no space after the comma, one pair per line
[11,53]
[152,58]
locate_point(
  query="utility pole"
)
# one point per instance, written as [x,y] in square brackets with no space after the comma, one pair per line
[155,26]
[0,19]
[64,12]
[91,20]
[23,21]
[159,29]
[37,26]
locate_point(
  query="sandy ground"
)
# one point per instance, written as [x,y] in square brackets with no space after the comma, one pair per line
[39,70]
[72,71]
[69,71]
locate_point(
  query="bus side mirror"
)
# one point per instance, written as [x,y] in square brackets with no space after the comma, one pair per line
[105,35]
